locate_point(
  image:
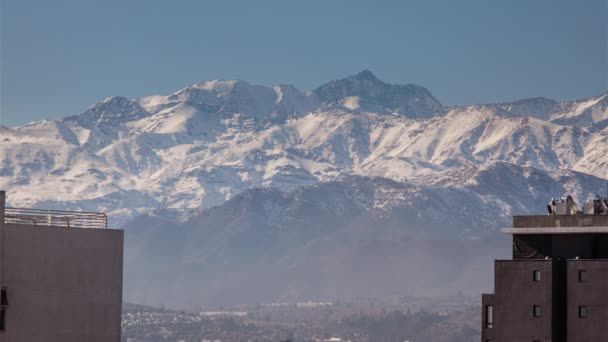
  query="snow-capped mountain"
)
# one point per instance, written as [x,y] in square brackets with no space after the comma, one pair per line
[206,143]
[365,92]
[589,113]
[336,192]
[357,236]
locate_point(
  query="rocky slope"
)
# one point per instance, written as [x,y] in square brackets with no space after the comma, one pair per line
[210,141]
[355,237]
[357,188]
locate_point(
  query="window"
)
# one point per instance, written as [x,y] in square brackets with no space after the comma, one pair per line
[2,319]
[3,298]
[536,311]
[582,276]
[582,311]
[536,276]
[489,316]
[3,307]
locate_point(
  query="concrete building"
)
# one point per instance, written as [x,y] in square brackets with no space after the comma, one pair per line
[555,288]
[60,276]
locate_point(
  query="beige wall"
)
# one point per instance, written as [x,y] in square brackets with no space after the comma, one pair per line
[64,284]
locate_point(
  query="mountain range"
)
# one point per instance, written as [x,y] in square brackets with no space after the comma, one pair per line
[227,183]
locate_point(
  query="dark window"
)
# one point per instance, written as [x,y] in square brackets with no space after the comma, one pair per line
[4,298]
[582,276]
[536,311]
[489,316]
[3,306]
[582,311]
[536,275]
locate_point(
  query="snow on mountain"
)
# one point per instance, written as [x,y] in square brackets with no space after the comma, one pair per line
[208,142]
[323,194]
[356,236]
[366,92]
[591,113]
[539,107]
[104,121]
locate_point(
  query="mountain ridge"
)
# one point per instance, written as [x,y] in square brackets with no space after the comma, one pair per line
[207,142]
[335,193]
[356,236]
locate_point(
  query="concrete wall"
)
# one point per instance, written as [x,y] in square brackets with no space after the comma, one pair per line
[64,284]
[593,295]
[537,221]
[515,295]
[487,333]
[559,292]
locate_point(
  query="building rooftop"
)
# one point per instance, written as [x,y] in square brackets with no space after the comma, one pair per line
[565,217]
[557,230]
[55,218]
[51,218]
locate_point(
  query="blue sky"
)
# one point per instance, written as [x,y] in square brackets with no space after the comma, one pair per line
[59,57]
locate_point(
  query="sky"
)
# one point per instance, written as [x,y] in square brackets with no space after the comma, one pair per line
[59,57]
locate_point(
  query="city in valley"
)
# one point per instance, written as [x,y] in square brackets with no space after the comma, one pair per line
[453,319]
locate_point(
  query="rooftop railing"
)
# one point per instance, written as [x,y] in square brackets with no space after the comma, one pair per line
[55,218]
[579,220]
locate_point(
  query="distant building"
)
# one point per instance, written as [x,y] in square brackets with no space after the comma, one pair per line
[556,287]
[60,276]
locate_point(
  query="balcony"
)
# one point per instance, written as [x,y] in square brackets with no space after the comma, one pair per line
[55,218]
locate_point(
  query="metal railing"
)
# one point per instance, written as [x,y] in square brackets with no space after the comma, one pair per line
[55,218]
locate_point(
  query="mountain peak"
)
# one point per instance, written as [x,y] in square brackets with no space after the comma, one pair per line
[372,94]
[112,100]
[112,110]
[367,75]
